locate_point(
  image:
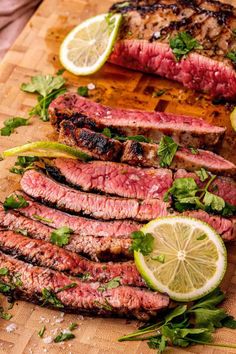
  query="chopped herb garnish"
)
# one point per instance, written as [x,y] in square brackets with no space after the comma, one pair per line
[123,4]
[159,93]
[42,331]
[64,336]
[41,218]
[49,298]
[182,44]
[83,91]
[15,202]
[160,258]
[4,271]
[142,242]
[112,284]
[213,201]
[48,87]
[22,232]
[185,326]
[107,132]
[4,288]
[232,56]
[61,236]
[66,287]
[25,162]
[105,306]
[140,138]
[166,151]
[85,276]
[11,124]
[73,326]
[202,174]
[193,150]
[4,315]
[60,71]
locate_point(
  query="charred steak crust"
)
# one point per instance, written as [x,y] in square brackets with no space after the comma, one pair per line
[41,253]
[144,42]
[185,130]
[84,297]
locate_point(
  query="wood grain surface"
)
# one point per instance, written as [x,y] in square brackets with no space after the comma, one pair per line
[36,51]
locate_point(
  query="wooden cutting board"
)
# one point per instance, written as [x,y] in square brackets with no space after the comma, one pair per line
[34,52]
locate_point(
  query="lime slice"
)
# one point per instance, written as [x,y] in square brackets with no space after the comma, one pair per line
[188,260]
[87,47]
[46,149]
[233,119]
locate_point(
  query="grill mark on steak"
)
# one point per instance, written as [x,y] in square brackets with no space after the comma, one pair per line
[85,297]
[41,187]
[112,178]
[103,248]
[41,253]
[80,225]
[185,130]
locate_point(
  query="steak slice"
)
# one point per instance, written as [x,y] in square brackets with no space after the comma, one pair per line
[95,247]
[144,154]
[113,178]
[83,297]
[224,187]
[148,27]
[80,225]
[41,187]
[41,253]
[97,146]
[83,112]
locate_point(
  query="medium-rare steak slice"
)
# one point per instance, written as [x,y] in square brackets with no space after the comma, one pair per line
[80,225]
[151,28]
[82,112]
[41,187]
[224,187]
[113,178]
[97,146]
[39,252]
[144,154]
[82,297]
[106,247]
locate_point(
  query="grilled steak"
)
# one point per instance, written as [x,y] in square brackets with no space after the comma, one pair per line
[113,178]
[41,187]
[106,247]
[80,111]
[143,154]
[224,187]
[83,297]
[80,225]
[97,146]
[149,26]
[51,256]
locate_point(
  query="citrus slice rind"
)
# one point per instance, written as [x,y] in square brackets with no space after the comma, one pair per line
[87,47]
[46,149]
[188,261]
[233,119]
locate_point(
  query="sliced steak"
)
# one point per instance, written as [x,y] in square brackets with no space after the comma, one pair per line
[143,154]
[185,130]
[41,187]
[95,247]
[80,225]
[148,27]
[84,297]
[113,178]
[96,145]
[39,252]
[224,187]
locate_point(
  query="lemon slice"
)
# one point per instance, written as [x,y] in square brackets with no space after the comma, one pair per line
[87,47]
[46,149]
[233,119]
[188,259]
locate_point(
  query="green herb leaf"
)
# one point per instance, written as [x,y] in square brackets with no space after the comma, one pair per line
[229,322]
[4,271]
[193,150]
[41,218]
[107,132]
[85,276]
[209,318]
[43,84]
[158,93]
[66,287]
[49,298]
[178,311]
[41,331]
[210,301]
[73,326]
[232,56]
[15,202]
[142,242]
[25,162]
[4,315]
[139,138]
[61,236]
[213,201]
[202,174]
[166,151]
[83,91]
[112,284]
[160,258]
[183,188]
[60,71]
[62,337]
[182,44]
[159,343]
[11,124]
[228,210]
[4,288]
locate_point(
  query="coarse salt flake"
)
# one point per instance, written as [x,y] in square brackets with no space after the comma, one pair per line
[91,86]
[11,327]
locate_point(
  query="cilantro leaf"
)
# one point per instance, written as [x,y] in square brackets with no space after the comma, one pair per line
[61,236]
[213,201]
[15,202]
[43,84]
[211,300]
[210,318]
[64,336]
[24,162]
[229,322]
[41,218]
[66,287]
[193,150]
[159,343]
[112,284]
[107,132]
[182,44]
[4,271]
[202,174]
[232,56]
[73,326]
[11,124]
[83,91]
[49,298]
[159,93]
[178,311]
[166,151]
[140,138]
[142,242]
[41,331]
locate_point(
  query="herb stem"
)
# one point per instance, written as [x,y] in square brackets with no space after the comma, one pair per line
[222,345]
[141,332]
[206,187]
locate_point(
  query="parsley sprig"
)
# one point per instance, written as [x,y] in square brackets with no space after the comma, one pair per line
[185,326]
[166,150]
[61,236]
[140,138]
[15,202]
[22,163]
[182,44]
[11,124]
